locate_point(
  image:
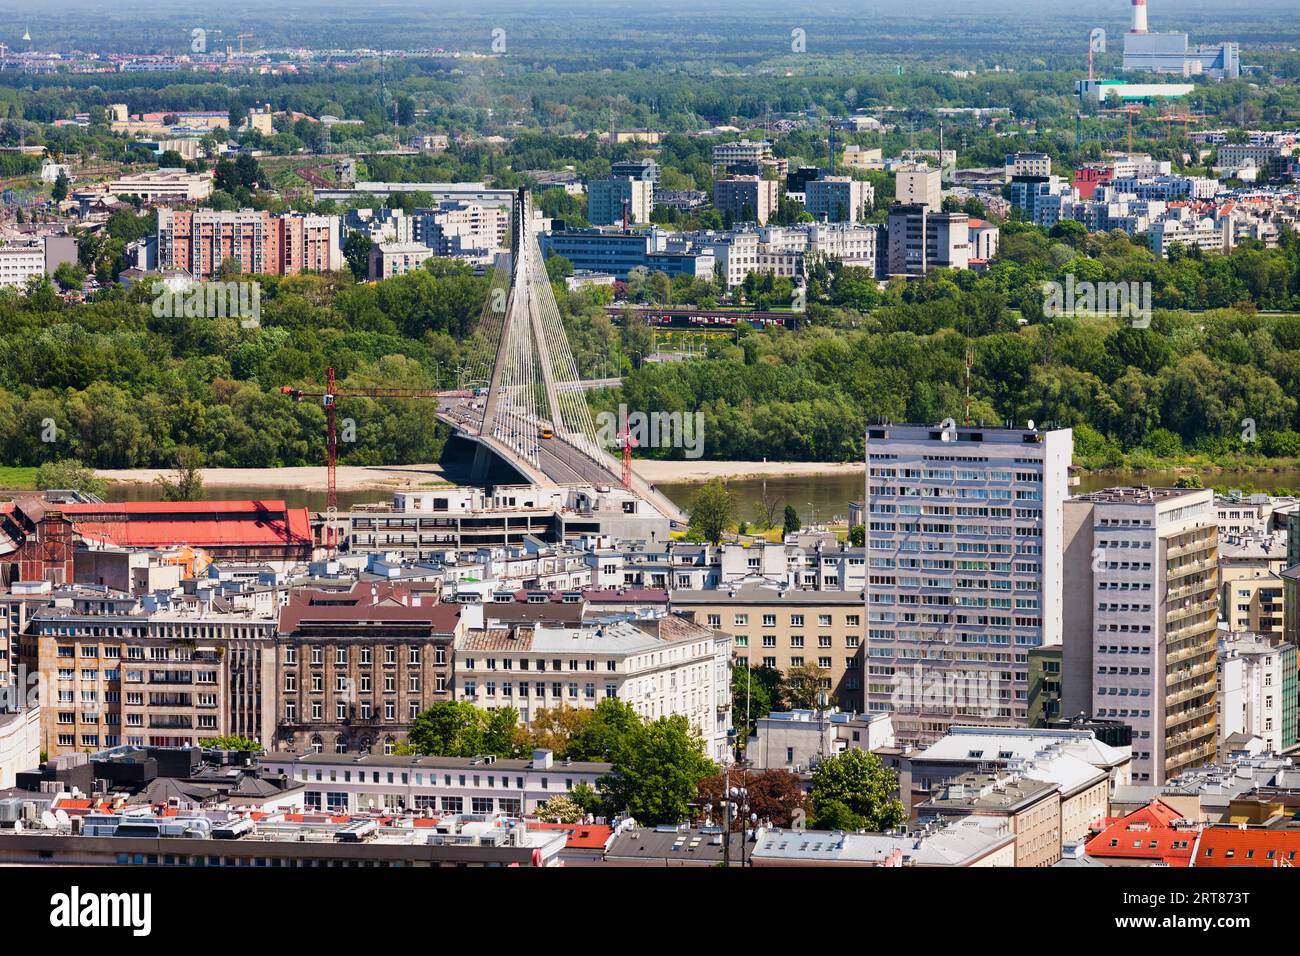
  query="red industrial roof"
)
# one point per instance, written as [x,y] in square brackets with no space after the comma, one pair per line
[203,524]
[1148,833]
[1247,846]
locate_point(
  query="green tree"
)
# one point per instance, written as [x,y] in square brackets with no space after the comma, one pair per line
[656,775]
[613,724]
[450,728]
[586,797]
[711,511]
[186,484]
[69,275]
[853,790]
[791,524]
[755,691]
[557,267]
[356,252]
[69,473]
[60,190]
[858,535]
[803,687]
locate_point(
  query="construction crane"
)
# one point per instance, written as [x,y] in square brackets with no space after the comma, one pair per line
[241,37]
[328,400]
[1132,110]
[627,443]
[1187,119]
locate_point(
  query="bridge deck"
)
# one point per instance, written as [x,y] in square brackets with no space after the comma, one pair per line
[558,462]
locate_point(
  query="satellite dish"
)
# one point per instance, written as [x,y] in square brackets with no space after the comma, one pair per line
[49,821]
[61,816]
[1031,424]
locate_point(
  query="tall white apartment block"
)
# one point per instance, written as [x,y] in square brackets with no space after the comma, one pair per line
[964,571]
[1140,642]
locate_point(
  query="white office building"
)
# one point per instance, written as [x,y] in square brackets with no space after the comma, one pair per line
[1139,644]
[964,571]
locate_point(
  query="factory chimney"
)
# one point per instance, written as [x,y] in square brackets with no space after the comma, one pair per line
[1139,16]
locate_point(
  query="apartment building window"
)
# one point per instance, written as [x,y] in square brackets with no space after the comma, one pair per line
[365,655]
[824,662]
[340,655]
[340,711]
[742,620]
[316,655]
[796,640]
[291,655]
[89,650]
[769,640]
[341,682]
[796,620]
[796,662]
[317,683]
[365,683]
[413,655]
[316,710]
[390,684]
[440,683]
[769,662]
[390,655]
[440,655]
[715,621]
[414,683]
[390,710]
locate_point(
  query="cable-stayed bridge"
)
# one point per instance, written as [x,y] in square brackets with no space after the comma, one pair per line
[525,402]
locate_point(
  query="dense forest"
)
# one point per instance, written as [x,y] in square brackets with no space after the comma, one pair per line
[125,388]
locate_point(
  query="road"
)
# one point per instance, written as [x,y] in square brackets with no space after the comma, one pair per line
[558,461]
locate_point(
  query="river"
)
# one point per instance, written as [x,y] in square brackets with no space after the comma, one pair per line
[816,499]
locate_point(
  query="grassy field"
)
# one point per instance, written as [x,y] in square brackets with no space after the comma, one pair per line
[17,479]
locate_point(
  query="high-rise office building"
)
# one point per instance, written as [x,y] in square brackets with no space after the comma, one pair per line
[1139,643]
[609,200]
[963,571]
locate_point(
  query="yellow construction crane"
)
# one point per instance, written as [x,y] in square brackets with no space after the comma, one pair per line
[241,37]
[1132,110]
[1187,119]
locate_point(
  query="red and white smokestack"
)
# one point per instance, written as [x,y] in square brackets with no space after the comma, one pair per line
[1139,16]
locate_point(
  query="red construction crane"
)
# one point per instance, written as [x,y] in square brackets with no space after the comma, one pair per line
[627,443]
[329,398]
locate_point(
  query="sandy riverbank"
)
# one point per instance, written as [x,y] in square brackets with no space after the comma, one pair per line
[348,477]
[665,472]
[389,477]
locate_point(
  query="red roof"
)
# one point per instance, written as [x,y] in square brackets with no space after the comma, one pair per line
[1153,832]
[582,836]
[1247,846]
[203,524]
